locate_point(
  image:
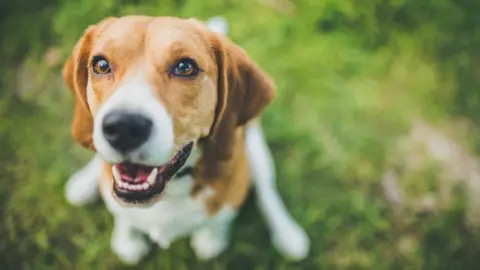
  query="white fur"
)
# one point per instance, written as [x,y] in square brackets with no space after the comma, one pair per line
[288,237]
[210,240]
[129,245]
[177,214]
[136,95]
[82,187]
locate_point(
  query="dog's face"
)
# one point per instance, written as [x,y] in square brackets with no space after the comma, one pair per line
[148,89]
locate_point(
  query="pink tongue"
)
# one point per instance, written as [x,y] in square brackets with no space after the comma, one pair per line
[134,173]
[137,173]
[142,175]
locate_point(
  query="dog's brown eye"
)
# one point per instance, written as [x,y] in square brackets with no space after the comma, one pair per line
[100,65]
[185,68]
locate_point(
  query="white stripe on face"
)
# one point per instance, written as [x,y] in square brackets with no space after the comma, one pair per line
[137,96]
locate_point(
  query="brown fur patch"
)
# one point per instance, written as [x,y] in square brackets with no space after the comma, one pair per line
[231,181]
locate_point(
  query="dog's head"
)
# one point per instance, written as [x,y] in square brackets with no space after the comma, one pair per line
[147,89]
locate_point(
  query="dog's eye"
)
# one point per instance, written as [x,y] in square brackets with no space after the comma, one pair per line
[185,68]
[100,65]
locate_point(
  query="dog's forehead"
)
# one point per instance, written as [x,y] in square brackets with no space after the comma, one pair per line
[134,33]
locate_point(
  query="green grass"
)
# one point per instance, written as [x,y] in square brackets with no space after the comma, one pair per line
[347,87]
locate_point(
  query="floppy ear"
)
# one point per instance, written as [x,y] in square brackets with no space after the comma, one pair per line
[244,90]
[75,74]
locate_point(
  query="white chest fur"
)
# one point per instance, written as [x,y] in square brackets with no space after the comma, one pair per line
[176,215]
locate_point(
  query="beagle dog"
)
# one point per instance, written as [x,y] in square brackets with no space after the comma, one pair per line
[171,108]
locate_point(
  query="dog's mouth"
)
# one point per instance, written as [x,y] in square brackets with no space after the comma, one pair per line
[138,184]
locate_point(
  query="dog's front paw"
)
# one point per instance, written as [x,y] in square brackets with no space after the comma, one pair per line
[81,189]
[157,237]
[292,241]
[130,250]
[208,244]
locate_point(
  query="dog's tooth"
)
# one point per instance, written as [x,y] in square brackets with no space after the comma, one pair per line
[152,176]
[116,175]
[146,185]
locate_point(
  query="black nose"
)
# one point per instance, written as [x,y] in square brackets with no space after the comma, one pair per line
[126,131]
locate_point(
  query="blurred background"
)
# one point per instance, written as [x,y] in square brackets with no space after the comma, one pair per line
[375,133]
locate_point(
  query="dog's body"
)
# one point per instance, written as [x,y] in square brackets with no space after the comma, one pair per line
[210,180]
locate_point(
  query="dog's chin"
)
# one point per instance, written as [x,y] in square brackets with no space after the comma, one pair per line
[143,185]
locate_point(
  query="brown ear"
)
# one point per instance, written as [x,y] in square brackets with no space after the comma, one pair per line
[75,74]
[244,90]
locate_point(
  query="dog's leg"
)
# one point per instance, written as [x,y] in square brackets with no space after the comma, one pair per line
[287,236]
[129,245]
[82,187]
[213,238]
